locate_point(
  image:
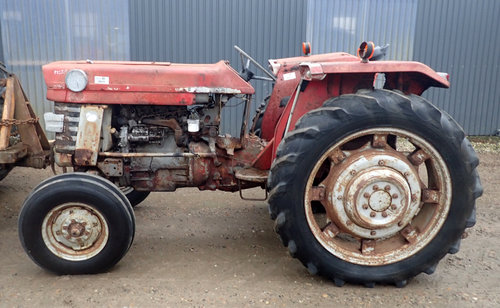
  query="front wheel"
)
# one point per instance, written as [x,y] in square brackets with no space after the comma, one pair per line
[76,224]
[395,176]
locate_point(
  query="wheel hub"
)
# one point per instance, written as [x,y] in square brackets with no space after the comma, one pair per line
[74,231]
[376,196]
[379,201]
[76,228]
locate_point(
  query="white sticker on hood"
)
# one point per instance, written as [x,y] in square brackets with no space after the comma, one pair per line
[289,76]
[101,79]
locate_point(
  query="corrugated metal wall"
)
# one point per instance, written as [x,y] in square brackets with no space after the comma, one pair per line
[462,37]
[1,44]
[36,32]
[457,36]
[197,31]
[341,25]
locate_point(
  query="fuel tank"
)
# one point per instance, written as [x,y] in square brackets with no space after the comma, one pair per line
[145,83]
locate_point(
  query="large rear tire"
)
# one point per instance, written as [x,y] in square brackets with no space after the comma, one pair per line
[4,171]
[134,196]
[397,180]
[76,224]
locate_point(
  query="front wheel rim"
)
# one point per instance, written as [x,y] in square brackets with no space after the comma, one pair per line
[75,231]
[383,204]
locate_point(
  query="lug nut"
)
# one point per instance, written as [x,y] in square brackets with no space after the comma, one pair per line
[387,187]
[384,214]
[353,172]
[373,233]
[393,206]
[375,187]
[381,162]
[395,196]
[372,214]
[366,195]
[365,206]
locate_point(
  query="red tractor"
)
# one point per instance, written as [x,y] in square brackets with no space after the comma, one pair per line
[368,182]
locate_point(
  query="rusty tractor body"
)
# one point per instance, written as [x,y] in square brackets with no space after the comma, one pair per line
[363,179]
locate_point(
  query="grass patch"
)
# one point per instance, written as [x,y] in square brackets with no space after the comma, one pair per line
[485,144]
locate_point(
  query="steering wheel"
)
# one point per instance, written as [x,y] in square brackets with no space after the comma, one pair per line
[246,74]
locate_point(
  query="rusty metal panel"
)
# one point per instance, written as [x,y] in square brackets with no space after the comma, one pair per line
[13,154]
[89,135]
[36,32]
[65,141]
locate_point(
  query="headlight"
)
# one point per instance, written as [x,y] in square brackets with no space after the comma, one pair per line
[76,80]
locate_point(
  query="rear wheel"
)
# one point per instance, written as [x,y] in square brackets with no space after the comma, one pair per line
[135,197]
[4,170]
[75,224]
[396,179]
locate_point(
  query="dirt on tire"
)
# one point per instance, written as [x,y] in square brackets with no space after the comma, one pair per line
[205,249]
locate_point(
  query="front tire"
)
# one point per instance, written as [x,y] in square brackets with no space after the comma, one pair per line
[75,224]
[397,180]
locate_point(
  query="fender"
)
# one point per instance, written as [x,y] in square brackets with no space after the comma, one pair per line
[321,81]
[407,76]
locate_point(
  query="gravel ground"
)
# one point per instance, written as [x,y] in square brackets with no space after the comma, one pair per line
[212,249]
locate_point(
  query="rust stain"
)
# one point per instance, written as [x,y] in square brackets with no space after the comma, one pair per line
[430,196]
[83,156]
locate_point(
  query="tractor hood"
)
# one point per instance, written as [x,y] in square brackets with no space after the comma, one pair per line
[151,83]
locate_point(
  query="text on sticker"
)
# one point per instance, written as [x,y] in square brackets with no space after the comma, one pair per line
[289,76]
[101,79]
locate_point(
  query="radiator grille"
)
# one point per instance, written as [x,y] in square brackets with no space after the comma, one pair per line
[65,141]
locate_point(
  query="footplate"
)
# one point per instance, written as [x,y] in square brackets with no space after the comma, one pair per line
[252,175]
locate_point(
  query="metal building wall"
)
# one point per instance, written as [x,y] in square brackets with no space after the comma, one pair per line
[35,32]
[198,31]
[454,36]
[1,46]
[462,37]
[457,36]
[341,25]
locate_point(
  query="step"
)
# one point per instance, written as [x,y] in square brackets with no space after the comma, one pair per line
[252,175]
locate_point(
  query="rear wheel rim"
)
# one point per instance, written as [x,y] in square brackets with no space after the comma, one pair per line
[383,202]
[75,231]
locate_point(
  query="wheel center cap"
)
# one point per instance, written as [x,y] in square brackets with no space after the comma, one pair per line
[380,200]
[76,229]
